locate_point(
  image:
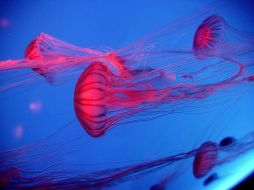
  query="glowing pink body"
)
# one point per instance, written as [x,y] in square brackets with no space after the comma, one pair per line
[208,35]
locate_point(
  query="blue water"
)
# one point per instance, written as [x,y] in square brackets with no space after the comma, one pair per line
[115,24]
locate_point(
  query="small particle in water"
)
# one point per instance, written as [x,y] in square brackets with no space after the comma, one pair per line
[18,132]
[35,106]
[4,22]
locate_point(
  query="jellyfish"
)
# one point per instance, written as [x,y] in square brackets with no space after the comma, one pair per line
[208,35]
[54,59]
[215,37]
[205,159]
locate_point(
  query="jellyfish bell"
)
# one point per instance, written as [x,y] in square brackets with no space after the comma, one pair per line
[208,35]
[214,37]
[102,99]
[56,60]
[45,48]
[34,52]
[205,159]
[89,99]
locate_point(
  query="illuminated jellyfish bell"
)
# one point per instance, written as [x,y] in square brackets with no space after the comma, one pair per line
[89,103]
[102,99]
[54,60]
[47,49]
[205,159]
[215,37]
[34,52]
[208,35]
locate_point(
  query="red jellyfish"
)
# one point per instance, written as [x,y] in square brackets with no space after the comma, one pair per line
[49,57]
[45,49]
[205,159]
[55,59]
[207,36]
[34,52]
[102,99]
[89,99]
[215,37]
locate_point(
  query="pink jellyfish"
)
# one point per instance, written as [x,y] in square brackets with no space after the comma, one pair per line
[103,100]
[205,159]
[215,37]
[208,35]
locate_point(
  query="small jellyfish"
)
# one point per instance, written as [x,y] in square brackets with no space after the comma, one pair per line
[205,159]
[34,52]
[210,179]
[227,141]
[208,35]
